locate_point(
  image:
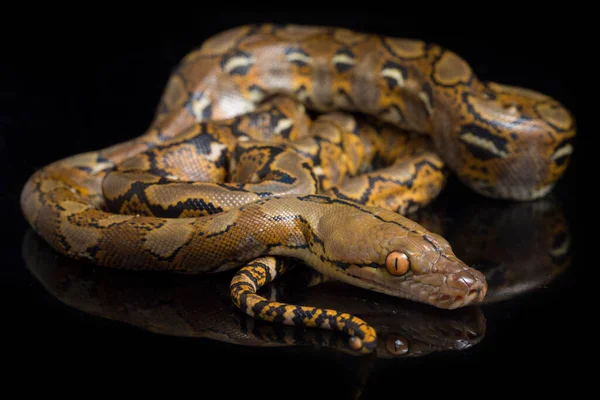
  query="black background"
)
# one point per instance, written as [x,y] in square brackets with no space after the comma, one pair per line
[79,85]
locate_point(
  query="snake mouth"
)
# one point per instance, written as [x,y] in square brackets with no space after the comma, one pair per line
[449,291]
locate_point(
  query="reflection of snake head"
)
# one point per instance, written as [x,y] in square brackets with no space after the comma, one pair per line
[428,333]
[512,142]
[383,251]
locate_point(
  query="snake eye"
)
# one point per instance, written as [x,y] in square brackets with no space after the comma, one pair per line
[396,345]
[397,263]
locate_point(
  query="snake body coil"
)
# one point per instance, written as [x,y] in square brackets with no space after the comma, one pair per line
[233,172]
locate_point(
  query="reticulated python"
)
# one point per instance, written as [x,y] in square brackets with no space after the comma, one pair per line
[232,172]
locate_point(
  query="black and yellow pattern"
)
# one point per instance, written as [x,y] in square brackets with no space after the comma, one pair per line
[261,271]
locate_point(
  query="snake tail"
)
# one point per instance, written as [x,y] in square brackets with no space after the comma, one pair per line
[248,280]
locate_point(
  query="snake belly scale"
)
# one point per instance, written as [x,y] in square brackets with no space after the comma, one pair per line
[232,173]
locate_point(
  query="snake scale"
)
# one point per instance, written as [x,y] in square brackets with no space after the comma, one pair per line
[234,172]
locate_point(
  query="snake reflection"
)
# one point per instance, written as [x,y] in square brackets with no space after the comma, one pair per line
[536,232]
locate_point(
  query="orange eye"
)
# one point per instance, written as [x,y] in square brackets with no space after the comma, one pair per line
[397,263]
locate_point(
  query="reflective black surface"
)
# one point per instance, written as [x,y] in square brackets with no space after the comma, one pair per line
[74,323]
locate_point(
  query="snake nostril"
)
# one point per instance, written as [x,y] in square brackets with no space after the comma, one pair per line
[473,294]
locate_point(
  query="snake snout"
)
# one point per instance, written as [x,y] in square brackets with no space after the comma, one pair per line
[466,287]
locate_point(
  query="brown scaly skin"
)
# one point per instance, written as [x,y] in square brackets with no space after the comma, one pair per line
[209,187]
[502,141]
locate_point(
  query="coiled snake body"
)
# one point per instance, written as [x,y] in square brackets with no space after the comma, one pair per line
[232,172]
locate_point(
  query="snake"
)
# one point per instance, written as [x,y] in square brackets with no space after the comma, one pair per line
[278,141]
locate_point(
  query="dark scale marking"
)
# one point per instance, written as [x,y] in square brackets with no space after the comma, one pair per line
[311,171]
[279,266]
[428,47]
[63,241]
[290,51]
[388,111]
[241,287]
[193,204]
[321,319]
[264,195]
[427,89]
[154,168]
[391,82]
[342,66]
[240,70]
[481,153]
[235,127]
[232,187]
[289,218]
[373,180]
[207,112]
[563,143]
[316,158]
[488,93]
[259,270]
[254,88]
[461,83]
[557,128]
[275,117]
[93,250]
[136,188]
[285,133]
[300,315]
[172,211]
[431,241]
[466,100]
[222,232]
[84,169]
[189,105]
[301,93]
[410,203]
[300,246]
[203,141]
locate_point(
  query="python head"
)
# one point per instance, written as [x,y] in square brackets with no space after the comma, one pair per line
[506,142]
[383,251]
